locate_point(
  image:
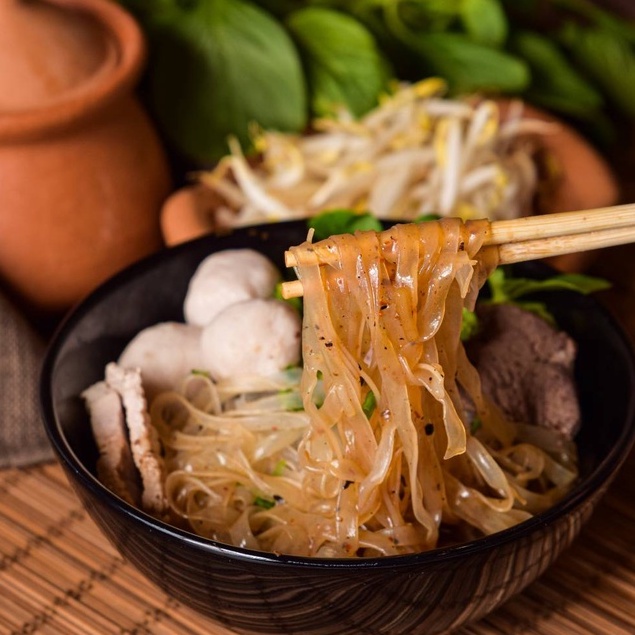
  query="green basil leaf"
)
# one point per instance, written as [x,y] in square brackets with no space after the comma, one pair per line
[518,287]
[555,82]
[469,67]
[484,21]
[508,289]
[343,63]
[342,221]
[608,58]
[218,67]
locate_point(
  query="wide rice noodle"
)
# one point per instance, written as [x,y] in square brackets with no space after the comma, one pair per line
[382,315]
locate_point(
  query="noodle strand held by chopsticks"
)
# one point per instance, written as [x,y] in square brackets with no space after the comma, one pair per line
[391,311]
[382,459]
[379,310]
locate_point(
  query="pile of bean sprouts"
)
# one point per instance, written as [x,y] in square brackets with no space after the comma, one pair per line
[417,153]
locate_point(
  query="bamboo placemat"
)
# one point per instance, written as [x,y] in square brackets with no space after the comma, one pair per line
[60,576]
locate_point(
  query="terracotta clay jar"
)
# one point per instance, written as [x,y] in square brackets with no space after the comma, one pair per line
[82,171]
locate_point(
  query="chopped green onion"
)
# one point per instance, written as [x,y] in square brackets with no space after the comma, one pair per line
[265,503]
[369,404]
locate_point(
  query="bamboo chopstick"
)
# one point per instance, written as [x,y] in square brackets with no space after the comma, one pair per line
[561,224]
[533,237]
[522,251]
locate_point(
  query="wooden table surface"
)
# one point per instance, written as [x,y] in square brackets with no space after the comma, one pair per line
[59,575]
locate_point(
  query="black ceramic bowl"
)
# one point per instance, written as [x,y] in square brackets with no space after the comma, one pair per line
[263,593]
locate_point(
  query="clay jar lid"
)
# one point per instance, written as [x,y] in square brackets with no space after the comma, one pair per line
[61,60]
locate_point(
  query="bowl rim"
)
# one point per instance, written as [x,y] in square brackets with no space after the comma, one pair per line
[598,479]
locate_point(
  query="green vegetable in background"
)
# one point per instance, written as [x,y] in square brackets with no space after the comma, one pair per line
[343,64]
[555,83]
[473,44]
[485,21]
[597,44]
[459,57]
[608,58]
[216,67]
[469,66]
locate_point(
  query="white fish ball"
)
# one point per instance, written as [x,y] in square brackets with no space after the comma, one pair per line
[254,337]
[164,353]
[225,278]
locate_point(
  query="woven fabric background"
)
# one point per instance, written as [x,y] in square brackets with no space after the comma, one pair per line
[22,437]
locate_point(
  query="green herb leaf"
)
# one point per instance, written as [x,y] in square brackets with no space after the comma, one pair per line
[508,289]
[555,83]
[218,67]
[468,66]
[484,21]
[279,467]
[469,325]
[343,63]
[342,221]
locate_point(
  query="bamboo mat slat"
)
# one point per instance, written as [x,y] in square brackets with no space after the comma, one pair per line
[60,576]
